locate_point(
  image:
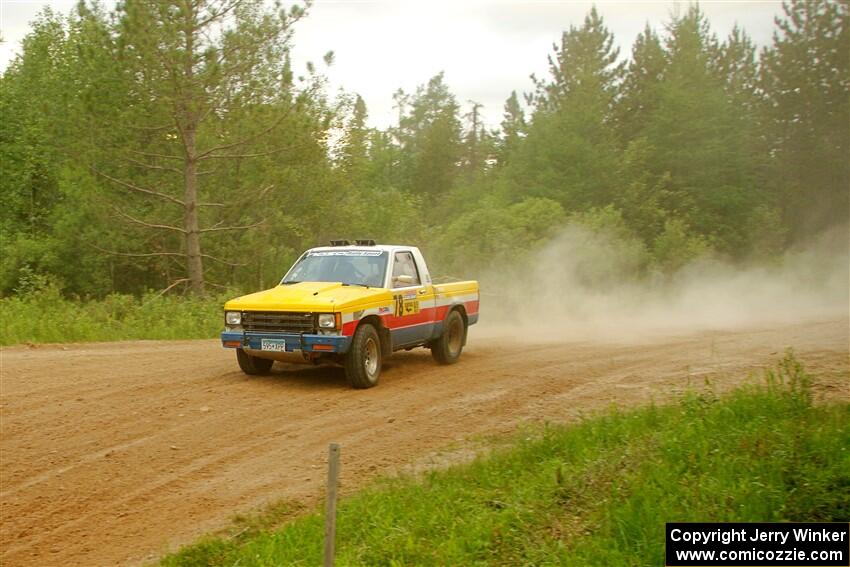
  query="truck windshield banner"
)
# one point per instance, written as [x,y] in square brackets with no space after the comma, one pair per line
[346,253]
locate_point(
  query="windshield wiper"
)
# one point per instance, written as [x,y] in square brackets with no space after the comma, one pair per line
[290,282]
[358,284]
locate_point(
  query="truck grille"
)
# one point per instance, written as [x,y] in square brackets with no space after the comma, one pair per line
[278,322]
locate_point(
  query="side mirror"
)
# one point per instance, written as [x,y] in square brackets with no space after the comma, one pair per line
[404,279]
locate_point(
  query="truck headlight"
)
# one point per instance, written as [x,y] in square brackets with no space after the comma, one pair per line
[233,317]
[327,321]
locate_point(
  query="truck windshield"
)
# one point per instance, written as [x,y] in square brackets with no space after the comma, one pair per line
[352,267]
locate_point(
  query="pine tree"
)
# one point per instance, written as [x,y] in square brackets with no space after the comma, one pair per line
[28,160]
[478,144]
[570,154]
[355,147]
[738,68]
[429,133]
[807,83]
[695,136]
[514,128]
[45,223]
[639,93]
[583,67]
[207,81]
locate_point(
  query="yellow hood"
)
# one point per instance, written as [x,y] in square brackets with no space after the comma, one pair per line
[307,296]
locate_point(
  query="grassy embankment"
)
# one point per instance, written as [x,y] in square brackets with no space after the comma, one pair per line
[47,317]
[595,493]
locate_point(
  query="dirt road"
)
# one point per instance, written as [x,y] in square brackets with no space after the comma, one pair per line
[116,453]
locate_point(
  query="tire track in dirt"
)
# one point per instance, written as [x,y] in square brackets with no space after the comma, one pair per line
[114,453]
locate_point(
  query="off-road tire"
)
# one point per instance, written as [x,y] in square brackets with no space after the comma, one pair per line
[251,364]
[362,362]
[447,348]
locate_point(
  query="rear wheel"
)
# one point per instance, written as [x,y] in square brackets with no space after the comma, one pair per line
[363,360]
[447,348]
[251,364]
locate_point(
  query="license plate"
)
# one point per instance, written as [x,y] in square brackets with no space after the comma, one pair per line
[274,345]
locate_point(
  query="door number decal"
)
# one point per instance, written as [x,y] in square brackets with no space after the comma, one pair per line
[405,306]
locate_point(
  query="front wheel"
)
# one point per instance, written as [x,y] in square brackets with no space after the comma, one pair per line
[363,360]
[447,348]
[251,364]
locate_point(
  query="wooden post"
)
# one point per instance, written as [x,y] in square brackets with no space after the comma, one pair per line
[330,510]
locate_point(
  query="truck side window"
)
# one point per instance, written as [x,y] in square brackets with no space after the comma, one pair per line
[405,265]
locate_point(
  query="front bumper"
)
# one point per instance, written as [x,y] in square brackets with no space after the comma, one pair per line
[321,344]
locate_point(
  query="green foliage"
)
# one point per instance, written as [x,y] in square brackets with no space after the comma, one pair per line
[40,314]
[675,247]
[152,150]
[583,68]
[514,128]
[696,146]
[608,220]
[695,136]
[595,493]
[429,135]
[493,232]
[648,198]
[604,251]
[640,90]
[570,154]
[767,233]
[806,80]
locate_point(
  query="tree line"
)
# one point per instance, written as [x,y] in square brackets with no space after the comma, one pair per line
[173,146]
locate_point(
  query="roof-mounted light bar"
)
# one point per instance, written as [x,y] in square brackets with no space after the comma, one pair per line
[358,242]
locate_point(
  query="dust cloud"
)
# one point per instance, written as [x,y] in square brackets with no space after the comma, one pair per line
[585,286]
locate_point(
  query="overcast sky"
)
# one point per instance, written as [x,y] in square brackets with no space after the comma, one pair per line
[487,48]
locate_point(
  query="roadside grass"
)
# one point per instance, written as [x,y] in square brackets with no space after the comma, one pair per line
[594,493]
[47,317]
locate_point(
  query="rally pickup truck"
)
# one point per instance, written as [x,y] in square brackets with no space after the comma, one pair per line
[351,305]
